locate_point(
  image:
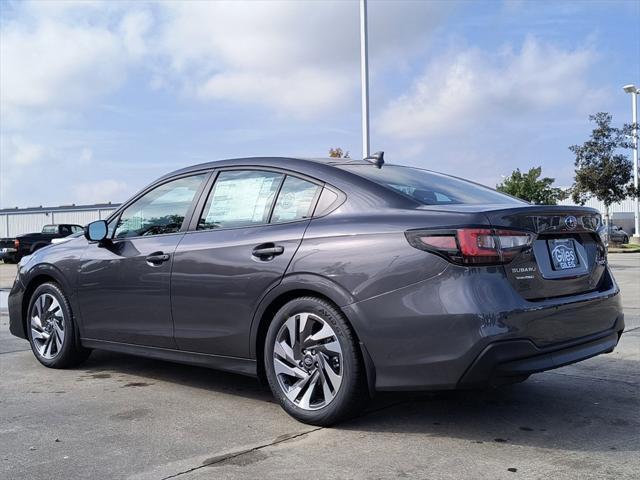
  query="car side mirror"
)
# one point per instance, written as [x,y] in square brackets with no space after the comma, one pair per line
[96,231]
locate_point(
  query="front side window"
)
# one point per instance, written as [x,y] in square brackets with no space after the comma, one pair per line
[294,200]
[240,198]
[160,211]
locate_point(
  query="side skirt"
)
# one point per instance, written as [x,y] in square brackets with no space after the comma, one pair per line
[243,366]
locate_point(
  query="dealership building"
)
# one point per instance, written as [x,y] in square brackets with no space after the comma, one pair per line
[15,221]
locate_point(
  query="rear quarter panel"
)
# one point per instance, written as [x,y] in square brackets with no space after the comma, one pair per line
[369,255]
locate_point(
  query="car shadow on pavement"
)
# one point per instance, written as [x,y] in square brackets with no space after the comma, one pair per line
[103,363]
[550,410]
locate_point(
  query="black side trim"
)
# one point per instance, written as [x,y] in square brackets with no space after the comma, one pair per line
[243,366]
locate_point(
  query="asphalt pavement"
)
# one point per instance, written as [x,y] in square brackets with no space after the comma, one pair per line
[125,417]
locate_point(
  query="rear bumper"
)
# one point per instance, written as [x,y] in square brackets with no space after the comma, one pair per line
[468,327]
[514,360]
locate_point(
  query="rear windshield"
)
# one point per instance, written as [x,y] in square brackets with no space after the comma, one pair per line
[50,229]
[430,188]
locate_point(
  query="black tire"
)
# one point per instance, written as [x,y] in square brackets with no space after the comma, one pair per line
[70,353]
[625,239]
[352,394]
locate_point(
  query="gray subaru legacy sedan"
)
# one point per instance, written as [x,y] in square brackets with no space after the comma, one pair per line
[328,279]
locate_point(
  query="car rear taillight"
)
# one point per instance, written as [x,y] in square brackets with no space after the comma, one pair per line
[477,246]
[16,244]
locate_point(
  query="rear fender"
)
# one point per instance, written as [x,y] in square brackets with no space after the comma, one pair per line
[306,282]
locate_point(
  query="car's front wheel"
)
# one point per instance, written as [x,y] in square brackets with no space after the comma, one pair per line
[313,364]
[51,328]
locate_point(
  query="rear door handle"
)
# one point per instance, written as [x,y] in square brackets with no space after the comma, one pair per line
[157,258]
[267,251]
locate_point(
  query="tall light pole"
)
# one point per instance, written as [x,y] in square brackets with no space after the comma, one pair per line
[634,91]
[364,73]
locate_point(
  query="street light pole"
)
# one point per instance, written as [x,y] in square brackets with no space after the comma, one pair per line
[364,73]
[634,91]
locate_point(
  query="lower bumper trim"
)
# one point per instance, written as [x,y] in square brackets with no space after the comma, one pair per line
[513,360]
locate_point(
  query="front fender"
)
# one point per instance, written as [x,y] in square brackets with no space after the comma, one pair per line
[30,274]
[49,270]
[27,278]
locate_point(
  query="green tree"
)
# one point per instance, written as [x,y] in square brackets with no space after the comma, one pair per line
[603,171]
[337,152]
[530,187]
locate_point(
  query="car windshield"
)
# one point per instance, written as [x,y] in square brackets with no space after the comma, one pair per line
[430,188]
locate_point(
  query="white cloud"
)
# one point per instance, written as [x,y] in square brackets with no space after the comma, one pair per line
[101,191]
[86,155]
[56,65]
[473,86]
[299,58]
[16,152]
[58,60]
[17,155]
[134,28]
[55,59]
[303,92]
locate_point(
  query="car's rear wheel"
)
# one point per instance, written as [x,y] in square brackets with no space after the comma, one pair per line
[313,364]
[51,328]
[625,239]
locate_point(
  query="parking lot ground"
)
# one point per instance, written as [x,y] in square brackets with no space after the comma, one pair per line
[7,274]
[125,417]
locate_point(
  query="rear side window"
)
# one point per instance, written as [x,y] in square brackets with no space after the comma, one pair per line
[240,198]
[294,200]
[430,188]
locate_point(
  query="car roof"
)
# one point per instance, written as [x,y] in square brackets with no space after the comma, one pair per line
[324,170]
[293,163]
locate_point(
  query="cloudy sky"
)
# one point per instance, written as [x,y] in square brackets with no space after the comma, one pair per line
[99,98]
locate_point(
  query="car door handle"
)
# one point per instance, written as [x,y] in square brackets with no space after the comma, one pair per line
[267,251]
[157,258]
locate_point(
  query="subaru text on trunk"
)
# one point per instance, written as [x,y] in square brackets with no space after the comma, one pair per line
[329,279]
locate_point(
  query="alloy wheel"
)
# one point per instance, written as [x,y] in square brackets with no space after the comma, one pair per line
[47,326]
[308,361]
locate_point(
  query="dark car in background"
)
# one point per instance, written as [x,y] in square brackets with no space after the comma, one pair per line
[13,249]
[329,279]
[618,235]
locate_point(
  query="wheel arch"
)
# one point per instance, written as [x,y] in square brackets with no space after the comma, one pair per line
[302,286]
[39,275]
[31,287]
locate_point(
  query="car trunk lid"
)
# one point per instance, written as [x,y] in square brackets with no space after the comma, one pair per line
[567,256]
